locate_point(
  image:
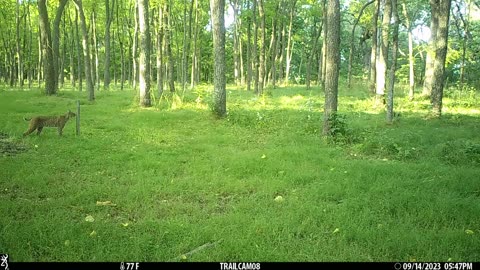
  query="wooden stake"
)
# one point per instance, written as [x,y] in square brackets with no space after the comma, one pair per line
[78,118]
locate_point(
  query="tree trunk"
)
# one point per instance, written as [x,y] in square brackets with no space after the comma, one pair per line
[61,68]
[324,44]
[219,94]
[168,46]
[160,52]
[255,59]
[18,44]
[194,51]
[56,40]
[47,48]
[134,48]
[108,18]
[95,71]
[79,52]
[236,64]
[441,11]
[261,72]
[391,75]
[144,59]
[332,67]
[289,42]
[86,51]
[249,49]
[373,56]
[383,53]
[73,40]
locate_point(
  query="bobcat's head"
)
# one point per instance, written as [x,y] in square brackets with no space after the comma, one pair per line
[70,114]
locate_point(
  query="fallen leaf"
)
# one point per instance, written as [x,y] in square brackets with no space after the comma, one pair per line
[125,224]
[106,203]
[336,230]
[469,232]
[93,233]
[89,218]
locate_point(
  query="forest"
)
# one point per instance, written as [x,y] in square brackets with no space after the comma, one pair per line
[240,130]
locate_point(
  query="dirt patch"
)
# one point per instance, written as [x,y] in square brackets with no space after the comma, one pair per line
[8,147]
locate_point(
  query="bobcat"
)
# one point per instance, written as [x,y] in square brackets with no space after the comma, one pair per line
[39,122]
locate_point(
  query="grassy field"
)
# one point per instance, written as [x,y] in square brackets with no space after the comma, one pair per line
[261,185]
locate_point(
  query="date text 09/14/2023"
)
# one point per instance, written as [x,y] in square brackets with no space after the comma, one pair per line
[434,266]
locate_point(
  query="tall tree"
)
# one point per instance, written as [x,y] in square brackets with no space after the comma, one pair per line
[382,60]
[289,41]
[168,47]
[217,8]
[56,40]
[261,71]
[18,44]
[391,75]
[86,50]
[109,18]
[160,51]
[144,61]
[332,65]
[47,48]
[373,55]
[441,12]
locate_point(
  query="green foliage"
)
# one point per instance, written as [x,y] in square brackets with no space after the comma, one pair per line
[460,152]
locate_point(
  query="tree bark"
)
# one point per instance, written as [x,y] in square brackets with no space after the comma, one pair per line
[383,53]
[160,52]
[168,47]
[441,11]
[255,60]
[194,51]
[373,56]
[391,75]
[86,50]
[289,42]
[47,48]
[144,59]
[332,66]
[108,18]
[261,72]
[219,94]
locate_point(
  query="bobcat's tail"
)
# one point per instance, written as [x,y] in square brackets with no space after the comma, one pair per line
[27,119]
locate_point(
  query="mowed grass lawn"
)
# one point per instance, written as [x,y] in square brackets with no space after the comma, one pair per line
[260,185]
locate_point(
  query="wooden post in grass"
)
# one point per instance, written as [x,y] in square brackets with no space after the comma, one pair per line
[78,118]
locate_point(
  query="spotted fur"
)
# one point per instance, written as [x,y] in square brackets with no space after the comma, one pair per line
[39,122]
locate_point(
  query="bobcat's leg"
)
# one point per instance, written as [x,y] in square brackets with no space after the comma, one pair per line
[39,130]
[60,130]
[29,131]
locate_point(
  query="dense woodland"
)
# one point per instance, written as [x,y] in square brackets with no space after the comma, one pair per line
[165,45]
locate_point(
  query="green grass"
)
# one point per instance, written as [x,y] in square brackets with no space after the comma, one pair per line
[181,178]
